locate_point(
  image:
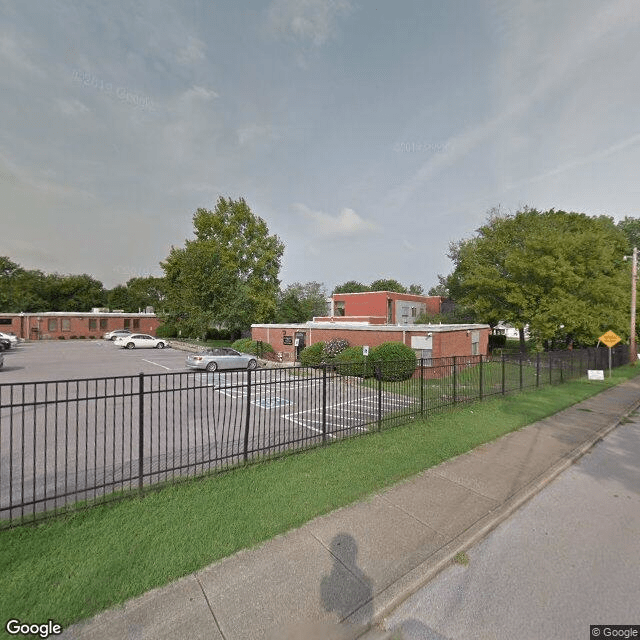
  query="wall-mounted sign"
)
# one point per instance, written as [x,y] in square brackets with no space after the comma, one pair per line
[287,340]
[365,350]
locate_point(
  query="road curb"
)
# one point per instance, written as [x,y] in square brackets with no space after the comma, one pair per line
[397,593]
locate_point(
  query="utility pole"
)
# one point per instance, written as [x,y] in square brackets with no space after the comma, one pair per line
[633,352]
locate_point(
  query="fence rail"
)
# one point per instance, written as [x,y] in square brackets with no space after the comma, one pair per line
[83,441]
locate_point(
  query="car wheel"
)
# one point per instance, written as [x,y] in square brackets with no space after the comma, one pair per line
[212,366]
[252,364]
[130,345]
[160,345]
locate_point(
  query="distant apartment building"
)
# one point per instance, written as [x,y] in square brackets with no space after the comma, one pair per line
[57,325]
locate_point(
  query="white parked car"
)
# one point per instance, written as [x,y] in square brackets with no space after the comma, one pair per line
[11,337]
[140,341]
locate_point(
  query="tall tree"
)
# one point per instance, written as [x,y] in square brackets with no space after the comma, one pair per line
[301,302]
[351,286]
[227,276]
[560,273]
[387,285]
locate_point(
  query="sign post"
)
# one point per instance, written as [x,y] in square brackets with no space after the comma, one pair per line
[610,339]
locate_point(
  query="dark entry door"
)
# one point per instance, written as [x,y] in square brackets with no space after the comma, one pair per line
[300,336]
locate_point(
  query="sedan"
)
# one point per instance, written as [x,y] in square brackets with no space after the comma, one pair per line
[140,341]
[116,333]
[221,358]
[13,339]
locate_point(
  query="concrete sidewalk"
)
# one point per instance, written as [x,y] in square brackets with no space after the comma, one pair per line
[358,563]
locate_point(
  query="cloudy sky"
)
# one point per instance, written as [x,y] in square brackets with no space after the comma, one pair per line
[368,134]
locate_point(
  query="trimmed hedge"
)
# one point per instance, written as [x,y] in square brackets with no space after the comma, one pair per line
[247,345]
[394,360]
[351,362]
[313,355]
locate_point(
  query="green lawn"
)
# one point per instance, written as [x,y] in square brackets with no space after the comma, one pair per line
[75,566]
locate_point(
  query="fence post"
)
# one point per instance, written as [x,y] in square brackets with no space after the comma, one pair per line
[421,386]
[379,376]
[550,360]
[480,376]
[538,369]
[140,430]
[324,403]
[503,374]
[248,417]
[455,380]
[521,371]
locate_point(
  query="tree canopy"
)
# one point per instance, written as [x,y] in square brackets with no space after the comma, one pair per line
[562,274]
[382,284]
[301,302]
[227,276]
[32,291]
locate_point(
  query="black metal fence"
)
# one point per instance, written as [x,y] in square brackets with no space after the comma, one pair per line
[84,441]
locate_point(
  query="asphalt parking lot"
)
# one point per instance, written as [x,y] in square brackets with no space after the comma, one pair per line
[73,415]
[77,359]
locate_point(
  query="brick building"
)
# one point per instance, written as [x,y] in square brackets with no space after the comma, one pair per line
[61,324]
[427,340]
[381,307]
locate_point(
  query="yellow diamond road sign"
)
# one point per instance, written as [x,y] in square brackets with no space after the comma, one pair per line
[610,339]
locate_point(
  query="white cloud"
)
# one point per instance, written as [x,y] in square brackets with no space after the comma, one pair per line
[12,53]
[193,52]
[255,132]
[71,107]
[346,223]
[306,20]
[198,93]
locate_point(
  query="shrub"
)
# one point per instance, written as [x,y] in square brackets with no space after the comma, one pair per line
[312,356]
[247,345]
[81,337]
[395,361]
[351,362]
[61,337]
[334,347]
[166,330]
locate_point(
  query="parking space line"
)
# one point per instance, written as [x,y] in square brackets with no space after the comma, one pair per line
[156,364]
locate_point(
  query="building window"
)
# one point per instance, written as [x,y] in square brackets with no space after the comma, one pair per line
[103,323]
[93,324]
[414,312]
[426,355]
[66,324]
[52,324]
[475,343]
[127,323]
[136,323]
[6,321]
[339,307]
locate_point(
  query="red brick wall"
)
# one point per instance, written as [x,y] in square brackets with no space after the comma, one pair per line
[375,303]
[30,328]
[451,343]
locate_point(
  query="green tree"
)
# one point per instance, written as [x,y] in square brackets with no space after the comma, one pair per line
[387,285]
[560,273]
[631,229]
[227,276]
[301,302]
[416,289]
[351,286]
[137,295]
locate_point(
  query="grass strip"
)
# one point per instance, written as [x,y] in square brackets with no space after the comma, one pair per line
[70,568]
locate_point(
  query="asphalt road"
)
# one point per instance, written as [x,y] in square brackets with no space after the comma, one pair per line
[568,559]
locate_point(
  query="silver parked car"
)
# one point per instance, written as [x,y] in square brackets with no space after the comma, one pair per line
[221,358]
[116,333]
